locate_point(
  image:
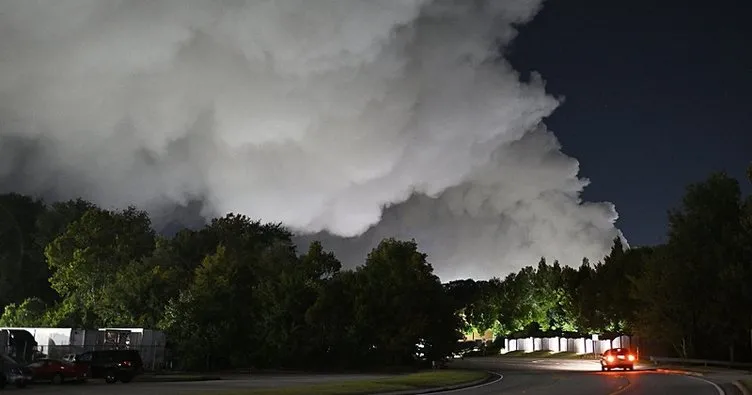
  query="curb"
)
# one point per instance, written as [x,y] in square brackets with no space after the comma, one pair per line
[741,387]
[492,377]
[682,372]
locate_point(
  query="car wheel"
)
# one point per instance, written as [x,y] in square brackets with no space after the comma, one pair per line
[57,379]
[2,381]
[110,377]
[603,368]
[126,378]
[21,384]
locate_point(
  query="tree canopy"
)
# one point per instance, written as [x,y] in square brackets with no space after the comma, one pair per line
[237,292]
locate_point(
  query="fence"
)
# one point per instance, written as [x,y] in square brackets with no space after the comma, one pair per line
[699,362]
[153,357]
[580,345]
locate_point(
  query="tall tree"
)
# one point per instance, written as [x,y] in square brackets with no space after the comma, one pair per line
[136,296]
[615,277]
[667,316]
[239,297]
[335,337]
[86,258]
[52,222]
[400,303]
[23,271]
[699,269]
[210,328]
[29,313]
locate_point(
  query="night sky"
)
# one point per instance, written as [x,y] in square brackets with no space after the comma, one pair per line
[658,94]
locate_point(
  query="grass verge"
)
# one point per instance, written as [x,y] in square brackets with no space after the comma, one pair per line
[700,369]
[415,381]
[747,384]
[174,378]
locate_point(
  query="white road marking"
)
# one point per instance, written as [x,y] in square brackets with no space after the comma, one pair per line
[716,386]
[474,387]
[739,386]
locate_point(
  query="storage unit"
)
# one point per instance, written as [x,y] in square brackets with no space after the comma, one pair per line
[57,342]
[150,343]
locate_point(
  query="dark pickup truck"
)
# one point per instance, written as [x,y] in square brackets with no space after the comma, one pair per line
[112,365]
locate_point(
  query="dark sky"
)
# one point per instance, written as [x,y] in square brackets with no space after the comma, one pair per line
[658,95]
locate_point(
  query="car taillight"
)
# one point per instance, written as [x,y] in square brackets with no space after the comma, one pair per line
[610,358]
[126,363]
[631,357]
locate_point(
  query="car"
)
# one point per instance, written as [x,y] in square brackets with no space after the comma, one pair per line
[11,372]
[112,365]
[57,371]
[69,358]
[618,358]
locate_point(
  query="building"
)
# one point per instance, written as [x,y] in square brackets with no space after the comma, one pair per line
[57,342]
[474,335]
[149,343]
[19,344]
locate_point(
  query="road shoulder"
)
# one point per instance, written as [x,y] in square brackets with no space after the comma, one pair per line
[744,386]
[730,381]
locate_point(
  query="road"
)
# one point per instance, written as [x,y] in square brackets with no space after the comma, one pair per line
[576,377]
[521,376]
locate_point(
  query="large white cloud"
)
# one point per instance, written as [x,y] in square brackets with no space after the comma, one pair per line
[315,113]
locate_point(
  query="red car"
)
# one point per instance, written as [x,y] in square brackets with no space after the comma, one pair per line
[618,358]
[57,371]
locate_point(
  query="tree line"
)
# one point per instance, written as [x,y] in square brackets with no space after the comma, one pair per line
[237,293]
[690,297]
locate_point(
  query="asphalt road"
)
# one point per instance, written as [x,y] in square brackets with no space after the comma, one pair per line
[564,377]
[520,376]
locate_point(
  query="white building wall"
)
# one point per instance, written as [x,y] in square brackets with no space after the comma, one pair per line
[150,344]
[49,336]
[56,342]
[580,345]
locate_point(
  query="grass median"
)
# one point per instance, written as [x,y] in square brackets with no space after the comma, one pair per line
[174,378]
[414,381]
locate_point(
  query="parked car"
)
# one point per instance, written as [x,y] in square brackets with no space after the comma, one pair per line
[112,365]
[11,372]
[69,357]
[57,371]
